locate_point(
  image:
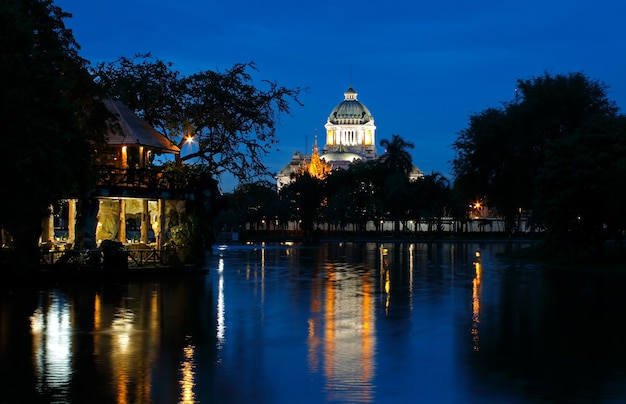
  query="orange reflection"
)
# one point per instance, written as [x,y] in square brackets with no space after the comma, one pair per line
[329,330]
[476,292]
[367,339]
[348,344]
[187,369]
[313,340]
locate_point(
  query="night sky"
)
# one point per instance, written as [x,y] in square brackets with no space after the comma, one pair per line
[422,68]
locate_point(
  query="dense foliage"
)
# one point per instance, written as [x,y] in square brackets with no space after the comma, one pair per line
[232,120]
[555,153]
[49,120]
[346,200]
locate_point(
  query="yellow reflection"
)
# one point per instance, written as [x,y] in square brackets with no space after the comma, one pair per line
[342,335]
[329,330]
[187,369]
[97,312]
[128,347]
[387,291]
[476,295]
[154,312]
[97,323]
[367,339]
[313,339]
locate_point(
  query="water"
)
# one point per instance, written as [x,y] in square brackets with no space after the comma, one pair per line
[333,323]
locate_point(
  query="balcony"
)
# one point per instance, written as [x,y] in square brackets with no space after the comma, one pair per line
[144,183]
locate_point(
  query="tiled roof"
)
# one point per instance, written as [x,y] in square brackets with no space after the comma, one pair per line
[136,131]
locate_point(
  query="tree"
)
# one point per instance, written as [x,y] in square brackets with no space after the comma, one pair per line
[48,104]
[366,181]
[482,170]
[306,194]
[233,121]
[148,86]
[431,198]
[396,158]
[554,152]
[256,203]
[397,164]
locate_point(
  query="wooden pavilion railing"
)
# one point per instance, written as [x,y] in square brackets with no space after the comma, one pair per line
[149,257]
[146,257]
[140,177]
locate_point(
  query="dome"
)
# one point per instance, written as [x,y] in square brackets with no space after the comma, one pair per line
[350,111]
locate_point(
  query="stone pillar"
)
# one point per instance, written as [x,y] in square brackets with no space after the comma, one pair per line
[51,223]
[121,234]
[47,227]
[71,221]
[145,221]
[160,237]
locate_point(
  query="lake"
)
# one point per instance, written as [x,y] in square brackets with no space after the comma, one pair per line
[333,322]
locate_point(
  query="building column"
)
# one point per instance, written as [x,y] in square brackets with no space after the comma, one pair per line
[71,221]
[160,237]
[47,227]
[145,222]
[121,233]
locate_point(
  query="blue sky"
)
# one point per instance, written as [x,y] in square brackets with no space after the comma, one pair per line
[422,68]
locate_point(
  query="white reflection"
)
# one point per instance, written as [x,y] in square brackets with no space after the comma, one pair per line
[123,325]
[411,279]
[263,280]
[51,330]
[221,309]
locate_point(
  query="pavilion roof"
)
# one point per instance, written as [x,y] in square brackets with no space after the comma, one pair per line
[136,131]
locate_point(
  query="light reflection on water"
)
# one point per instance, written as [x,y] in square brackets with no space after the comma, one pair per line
[51,328]
[187,369]
[341,340]
[341,322]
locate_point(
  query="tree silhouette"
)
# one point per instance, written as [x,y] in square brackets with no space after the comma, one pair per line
[396,158]
[557,152]
[232,120]
[50,119]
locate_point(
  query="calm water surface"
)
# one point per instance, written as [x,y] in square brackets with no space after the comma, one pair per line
[337,322]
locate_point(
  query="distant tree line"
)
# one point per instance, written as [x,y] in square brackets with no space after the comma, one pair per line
[367,191]
[557,152]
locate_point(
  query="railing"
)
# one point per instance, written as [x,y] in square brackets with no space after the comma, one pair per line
[140,177]
[94,258]
[149,257]
[78,258]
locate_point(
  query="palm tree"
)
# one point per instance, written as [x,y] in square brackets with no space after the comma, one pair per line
[396,159]
[397,165]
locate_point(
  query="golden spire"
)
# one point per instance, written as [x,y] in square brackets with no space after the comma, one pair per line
[317,168]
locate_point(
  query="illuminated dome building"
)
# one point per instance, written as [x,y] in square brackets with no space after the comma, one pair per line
[350,132]
[350,136]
